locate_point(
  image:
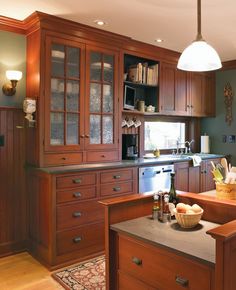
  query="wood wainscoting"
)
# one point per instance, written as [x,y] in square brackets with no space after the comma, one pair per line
[13,209]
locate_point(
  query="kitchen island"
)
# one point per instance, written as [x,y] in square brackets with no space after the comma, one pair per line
[145,254]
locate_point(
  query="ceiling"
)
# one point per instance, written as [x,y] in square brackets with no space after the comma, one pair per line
[175,21]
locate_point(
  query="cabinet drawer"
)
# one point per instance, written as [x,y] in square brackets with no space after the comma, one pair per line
[79,213]
[116,175]
[62,159]
[76,180]
[160,268]
[91,236]
[102,156]
[76,194]
[117,188]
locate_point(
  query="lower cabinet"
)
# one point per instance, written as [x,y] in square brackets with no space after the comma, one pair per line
[195,179]
[144,266]
[66,218]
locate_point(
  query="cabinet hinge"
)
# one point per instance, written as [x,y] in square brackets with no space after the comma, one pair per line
[43,142]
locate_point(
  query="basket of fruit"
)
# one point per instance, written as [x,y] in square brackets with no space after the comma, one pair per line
[188,216]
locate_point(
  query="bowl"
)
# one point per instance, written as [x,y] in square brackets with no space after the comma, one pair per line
[186,220]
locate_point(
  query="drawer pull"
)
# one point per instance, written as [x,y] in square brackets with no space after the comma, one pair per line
[116,176]
[77,239]
[77,214]
[63,158]
[117,188]
[137,261]
[181,281]
[77,180]
[103,155]
[77,194]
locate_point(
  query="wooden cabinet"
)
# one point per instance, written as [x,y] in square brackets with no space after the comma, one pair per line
[207,181]
[158,268]
[195,179]
[202,94]
[77,99]
[173,98]
[66,219]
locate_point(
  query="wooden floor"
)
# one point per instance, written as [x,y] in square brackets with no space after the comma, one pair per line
[21,271]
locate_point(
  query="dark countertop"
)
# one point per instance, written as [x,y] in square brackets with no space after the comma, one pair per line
[191,243]
[163,159]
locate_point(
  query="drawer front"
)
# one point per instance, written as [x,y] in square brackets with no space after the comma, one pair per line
[62,159]
[117,188]
[76,194]
[126,282]
[102,156]
[78,214]
[76,180]
[116,175]
[161,269]
[91,236]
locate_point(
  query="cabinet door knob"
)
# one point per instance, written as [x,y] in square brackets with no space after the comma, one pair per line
[77,214]
[63,158]
[87,136]
[116,176]
[77,239]
[117,188]
[81,136]
[77,180]
[77,194]
[103,155]
[181,281]
[137,261]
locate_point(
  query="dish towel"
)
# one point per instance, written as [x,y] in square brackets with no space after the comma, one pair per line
[196,160]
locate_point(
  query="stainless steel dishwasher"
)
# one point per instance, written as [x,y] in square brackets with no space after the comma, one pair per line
[155,178]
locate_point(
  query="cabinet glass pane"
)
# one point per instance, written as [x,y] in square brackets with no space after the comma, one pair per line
[72,96]
[95,98]
[95,129]
[58,58]
[107,99]
[108,68]
[73,55]
[95,66]
[57,129]
[72,128]
[57,94]
[107,134]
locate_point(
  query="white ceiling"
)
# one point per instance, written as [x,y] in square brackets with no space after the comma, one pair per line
[175,21]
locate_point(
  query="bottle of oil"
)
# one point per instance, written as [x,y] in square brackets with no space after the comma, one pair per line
[156,206]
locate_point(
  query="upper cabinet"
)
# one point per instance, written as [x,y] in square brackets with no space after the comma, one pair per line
[186,94]
[77,101]
[173,90]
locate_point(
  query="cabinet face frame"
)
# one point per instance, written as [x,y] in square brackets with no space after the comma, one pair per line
[115,54]
[61,41]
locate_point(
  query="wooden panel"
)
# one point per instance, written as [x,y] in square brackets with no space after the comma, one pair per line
[117,175]
[155,261]
[63,159]
[182,176]
[194,179]
[85,237]
[78,213]
[102,156]
[116,188]
[127,282]
[13,213]
[76,194]
[76,180]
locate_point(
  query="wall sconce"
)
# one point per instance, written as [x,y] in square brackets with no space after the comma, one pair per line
[14,76]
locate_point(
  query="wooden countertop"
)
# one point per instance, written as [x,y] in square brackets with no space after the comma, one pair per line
[192,243]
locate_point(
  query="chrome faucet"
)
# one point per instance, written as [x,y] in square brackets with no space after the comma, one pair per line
[188,148]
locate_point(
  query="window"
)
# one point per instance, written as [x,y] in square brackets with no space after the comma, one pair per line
[163,135]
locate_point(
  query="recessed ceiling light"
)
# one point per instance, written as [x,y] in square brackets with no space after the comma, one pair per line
[159,40]
[100,22]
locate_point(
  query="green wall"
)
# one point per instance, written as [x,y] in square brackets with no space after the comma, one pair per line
[12,57]
[216,127]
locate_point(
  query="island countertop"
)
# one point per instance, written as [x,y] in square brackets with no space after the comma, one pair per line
[192,243]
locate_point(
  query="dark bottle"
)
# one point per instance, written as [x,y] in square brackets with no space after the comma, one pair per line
[173,198]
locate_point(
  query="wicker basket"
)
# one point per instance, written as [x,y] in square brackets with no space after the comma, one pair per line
[225,191]
[186,220]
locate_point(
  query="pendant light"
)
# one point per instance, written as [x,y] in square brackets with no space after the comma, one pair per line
[199,56]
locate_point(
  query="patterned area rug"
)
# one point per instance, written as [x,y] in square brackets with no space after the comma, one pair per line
[89,275]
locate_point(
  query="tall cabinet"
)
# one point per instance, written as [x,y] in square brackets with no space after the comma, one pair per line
[76,91]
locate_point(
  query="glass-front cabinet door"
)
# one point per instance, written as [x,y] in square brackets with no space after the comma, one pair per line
[101,96]
[64,113]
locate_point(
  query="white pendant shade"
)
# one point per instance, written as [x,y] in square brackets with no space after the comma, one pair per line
[199,56]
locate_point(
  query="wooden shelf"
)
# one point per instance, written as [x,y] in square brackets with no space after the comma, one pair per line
[140,84]
[136,112]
